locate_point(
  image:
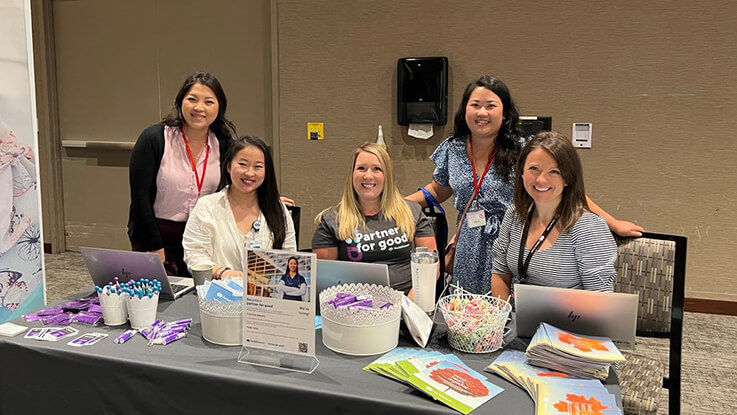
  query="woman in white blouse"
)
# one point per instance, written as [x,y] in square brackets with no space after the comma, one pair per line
[247,212]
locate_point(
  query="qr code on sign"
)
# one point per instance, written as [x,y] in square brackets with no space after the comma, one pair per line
[303,347]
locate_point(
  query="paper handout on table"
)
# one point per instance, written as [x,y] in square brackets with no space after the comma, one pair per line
[575,397]
[512,365]
[417,321]
[445,378]
[10,329]
[586,357]
[554,392]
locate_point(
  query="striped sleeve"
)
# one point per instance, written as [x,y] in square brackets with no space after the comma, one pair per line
[595,252]
[502,242]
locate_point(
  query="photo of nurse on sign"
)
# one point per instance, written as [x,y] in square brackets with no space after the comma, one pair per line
[280,275]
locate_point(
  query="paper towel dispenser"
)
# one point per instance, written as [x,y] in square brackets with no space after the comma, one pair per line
[422,91]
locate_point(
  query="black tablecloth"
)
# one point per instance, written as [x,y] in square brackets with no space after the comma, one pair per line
[194,376]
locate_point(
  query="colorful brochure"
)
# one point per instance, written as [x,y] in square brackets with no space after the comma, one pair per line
[444,378]
[587,357]
[575,397]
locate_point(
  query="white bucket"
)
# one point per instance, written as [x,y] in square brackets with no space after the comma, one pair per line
[142,311]
[222,323]
[114,309]
[222,330]
[360,340]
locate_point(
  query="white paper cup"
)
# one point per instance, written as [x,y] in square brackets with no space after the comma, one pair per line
[114,309]
[201,273]
[142,311]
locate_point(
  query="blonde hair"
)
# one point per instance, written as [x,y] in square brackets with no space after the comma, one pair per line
[392,205]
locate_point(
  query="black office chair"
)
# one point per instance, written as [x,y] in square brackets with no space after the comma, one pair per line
[654,267]
[296,213]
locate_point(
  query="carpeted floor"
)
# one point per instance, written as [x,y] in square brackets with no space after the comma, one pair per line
[709,345]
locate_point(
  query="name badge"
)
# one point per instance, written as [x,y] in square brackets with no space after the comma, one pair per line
[255,245]
[476,218]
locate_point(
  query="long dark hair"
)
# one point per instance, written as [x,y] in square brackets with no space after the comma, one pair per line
[267,193]
[223,128]
[286,273]
[507,142]
[573,200]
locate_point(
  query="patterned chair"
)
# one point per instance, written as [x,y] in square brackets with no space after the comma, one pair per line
[654,267]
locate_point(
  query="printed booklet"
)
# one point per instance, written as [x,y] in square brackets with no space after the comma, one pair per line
[445,378]
[555,392]
[586,357]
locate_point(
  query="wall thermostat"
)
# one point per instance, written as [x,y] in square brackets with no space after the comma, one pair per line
[581,135]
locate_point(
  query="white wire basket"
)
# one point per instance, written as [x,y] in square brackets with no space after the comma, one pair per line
[475,322]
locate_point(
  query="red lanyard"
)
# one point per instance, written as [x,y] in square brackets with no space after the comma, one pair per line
[194,165]
[478,182]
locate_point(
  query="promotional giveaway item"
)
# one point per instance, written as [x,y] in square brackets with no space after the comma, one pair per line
[424,264]
[360,319]
[136,299]
[417,321]
[475,323]
[87,339]
[221,311]
[86,310]
[161,332]
[279,309]
[10,329]
[443,377]
[587,357]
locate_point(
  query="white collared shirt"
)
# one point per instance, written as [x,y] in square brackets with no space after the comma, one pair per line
[212,237]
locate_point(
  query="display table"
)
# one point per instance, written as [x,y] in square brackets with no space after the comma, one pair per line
[194,376]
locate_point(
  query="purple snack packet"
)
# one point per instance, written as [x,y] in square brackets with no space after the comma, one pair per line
[88,319]
[345,301]
[95,308]
[360,307]
[31,317]
[360,303]
[75,306]
[49,312]
[63,319]
[385,306]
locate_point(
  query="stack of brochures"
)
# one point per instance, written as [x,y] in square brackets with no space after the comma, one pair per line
[555,392]
[586,357]
[443,377]
[225,291]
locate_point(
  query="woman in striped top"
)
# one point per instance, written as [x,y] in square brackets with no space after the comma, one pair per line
[549,236]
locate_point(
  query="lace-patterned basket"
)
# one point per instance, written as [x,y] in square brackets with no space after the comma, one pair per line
[471,331]
[361,332]
[222,323]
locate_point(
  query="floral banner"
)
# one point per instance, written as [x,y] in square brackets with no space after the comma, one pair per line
[21,248]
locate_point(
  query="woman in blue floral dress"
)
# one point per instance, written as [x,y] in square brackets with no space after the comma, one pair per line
[480,157]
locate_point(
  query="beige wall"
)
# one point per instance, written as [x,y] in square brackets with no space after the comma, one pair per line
[119,66]
[657,80]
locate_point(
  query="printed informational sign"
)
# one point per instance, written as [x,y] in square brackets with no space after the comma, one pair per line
[279,305]
[315,131]
[21,247]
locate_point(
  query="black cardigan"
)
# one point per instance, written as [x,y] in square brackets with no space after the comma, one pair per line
[144,167]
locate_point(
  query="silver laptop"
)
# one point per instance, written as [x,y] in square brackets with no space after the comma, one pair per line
[612,315]
[106,264]
[331,273]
